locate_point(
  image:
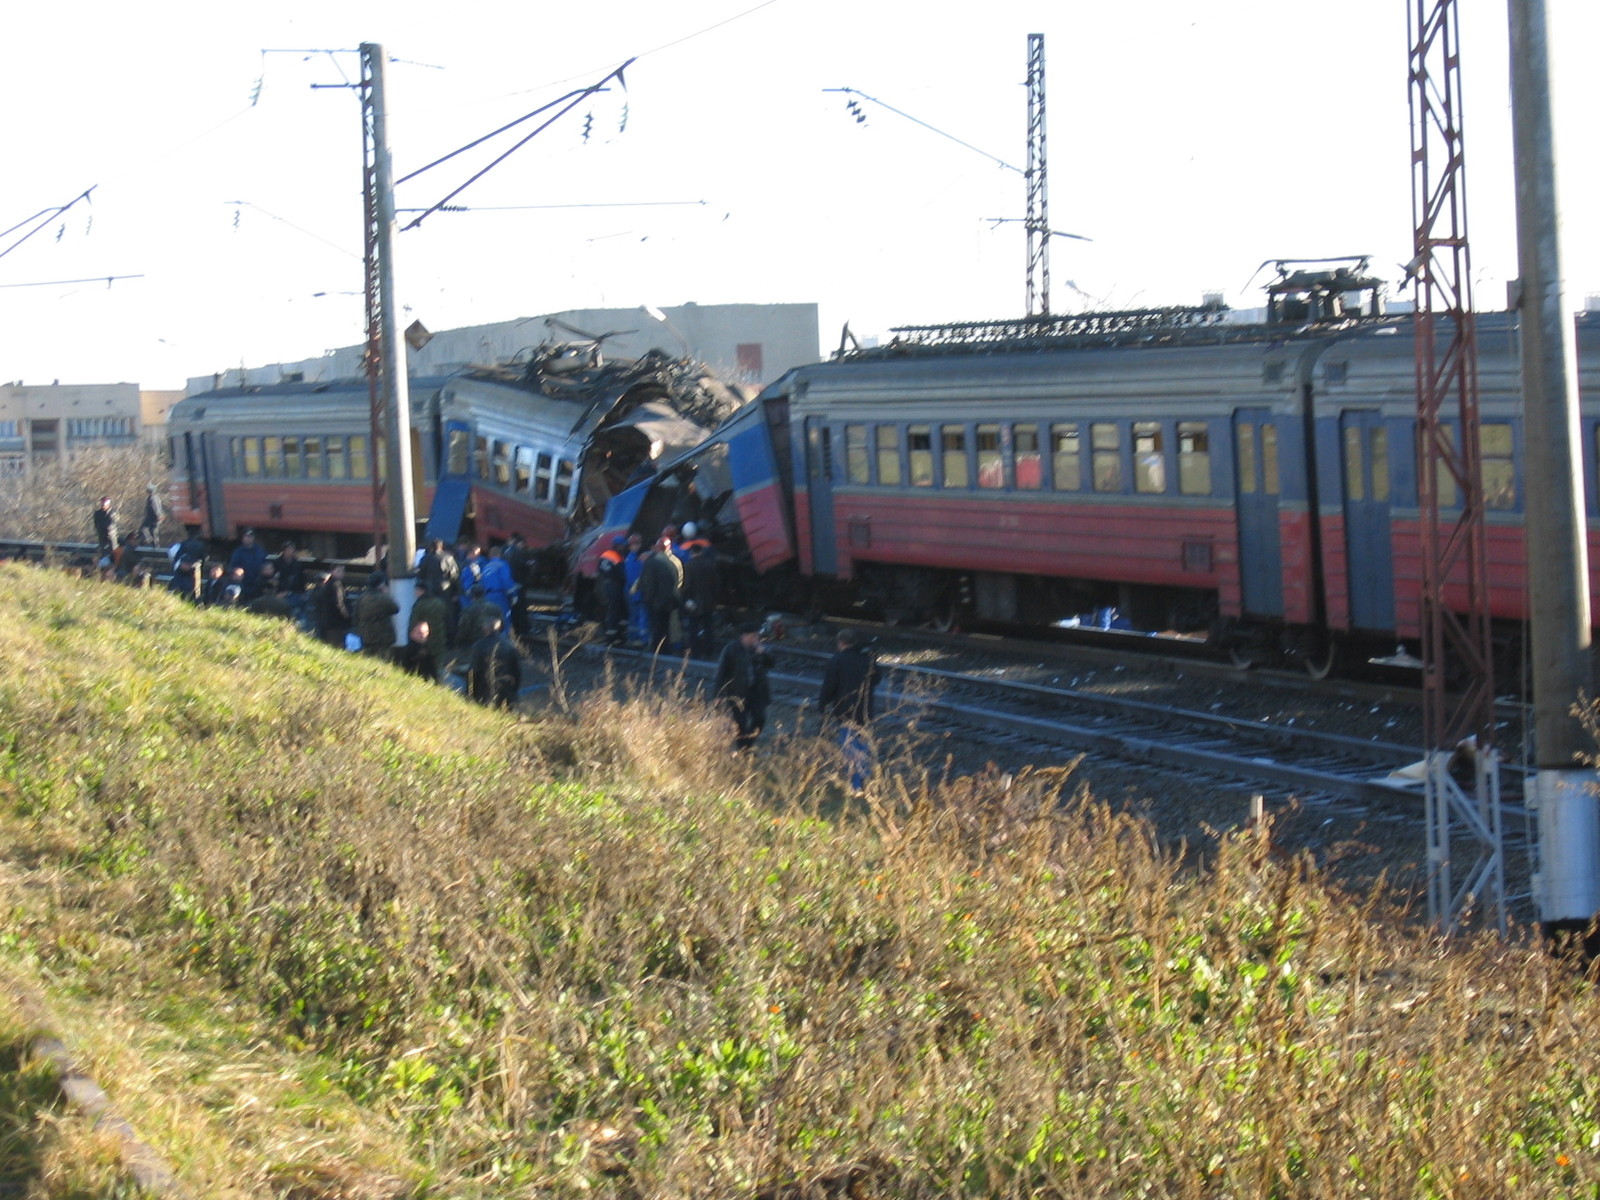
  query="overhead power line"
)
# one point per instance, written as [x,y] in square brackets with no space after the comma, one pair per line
[109,280]
[855,110]
[567,102]
[40,219]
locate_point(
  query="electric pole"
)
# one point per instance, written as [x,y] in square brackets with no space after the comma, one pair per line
[394,507]
[1038,220]
[1567,884]
[1466,855]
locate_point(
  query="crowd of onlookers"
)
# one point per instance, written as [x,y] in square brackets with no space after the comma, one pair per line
[466,617]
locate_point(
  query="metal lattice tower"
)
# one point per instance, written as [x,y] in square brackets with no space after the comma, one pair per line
[1038,220]
[1464,829]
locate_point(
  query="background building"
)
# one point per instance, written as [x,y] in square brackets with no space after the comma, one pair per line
[47,423]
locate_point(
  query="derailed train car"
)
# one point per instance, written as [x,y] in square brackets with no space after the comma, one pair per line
[535,447]
[1254,483]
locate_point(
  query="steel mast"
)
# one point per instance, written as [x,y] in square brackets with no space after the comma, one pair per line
[1038,219]
[1455,642]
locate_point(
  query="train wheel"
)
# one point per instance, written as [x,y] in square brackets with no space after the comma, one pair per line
[1244,655]
[946,616]
[1320,661]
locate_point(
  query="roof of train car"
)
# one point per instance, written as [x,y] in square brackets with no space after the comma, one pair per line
[1377,356]
[250,405]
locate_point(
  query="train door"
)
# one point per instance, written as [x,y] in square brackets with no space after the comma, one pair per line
[1256,488]
[213,466]
[819,492]
[1364,450]
[454,489]
[1258,485]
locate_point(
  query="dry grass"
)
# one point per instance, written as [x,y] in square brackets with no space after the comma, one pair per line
[328,932]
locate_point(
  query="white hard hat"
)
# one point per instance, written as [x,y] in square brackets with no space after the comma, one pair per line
[689,529]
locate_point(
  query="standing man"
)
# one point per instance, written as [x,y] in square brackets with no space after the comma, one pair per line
[847,703]
[375,613]
[105,530]
[659,587]
[612,576]
[494,675]
[699,599]
[741,687]
[249,556]
[150,527]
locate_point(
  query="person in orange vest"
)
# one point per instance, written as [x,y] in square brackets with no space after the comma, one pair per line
[612,572]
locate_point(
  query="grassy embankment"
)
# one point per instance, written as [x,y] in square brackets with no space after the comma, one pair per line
[322,931]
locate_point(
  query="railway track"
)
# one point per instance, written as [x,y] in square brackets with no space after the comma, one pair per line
[1279,760]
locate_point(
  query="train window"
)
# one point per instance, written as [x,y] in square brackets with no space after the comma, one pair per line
[1245,453]
[524,468]
[338,468]
[1269,459]
[291,457]
[236,455]
[953,441]
[1067,457]
[1194,458]
[252,456]
[563,492]
[889,455]
[991,464]
[541,478]
[857,468]
[1499,468]
[1379,446]
[360,468]
[919,453]
[272,457]
[1448,495]
[1105,439]
[1355,487]
[480,455]
[312,448]
[502,463]
[457,453]
[1025,448]
[1149,458]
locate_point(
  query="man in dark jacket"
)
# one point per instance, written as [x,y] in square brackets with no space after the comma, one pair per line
[658,590]
[494,676]
[848,704]
[741,687]
[105,529]
[375,613]
[250,556]
[700,587]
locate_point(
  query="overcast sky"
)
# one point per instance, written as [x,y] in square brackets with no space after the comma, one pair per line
[1190,139]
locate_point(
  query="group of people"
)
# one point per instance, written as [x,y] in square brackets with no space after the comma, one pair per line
[464,601]
[847,699]
[663,596]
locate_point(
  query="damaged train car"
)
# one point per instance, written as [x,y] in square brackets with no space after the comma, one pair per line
[540,448]
[537,446]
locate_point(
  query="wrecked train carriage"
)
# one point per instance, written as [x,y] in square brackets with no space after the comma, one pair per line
[541,448]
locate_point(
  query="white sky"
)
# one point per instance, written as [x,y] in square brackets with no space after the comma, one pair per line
[1191,139]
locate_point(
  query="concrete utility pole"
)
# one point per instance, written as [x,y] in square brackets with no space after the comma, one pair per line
[386,354]
[1567,885]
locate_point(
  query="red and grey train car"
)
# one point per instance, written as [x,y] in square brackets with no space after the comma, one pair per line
[535,447]
[295,458]
[1255,483]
